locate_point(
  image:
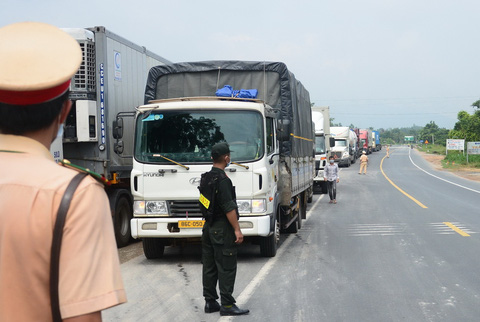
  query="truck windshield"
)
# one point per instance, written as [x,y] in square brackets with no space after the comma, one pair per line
[188,136]
[340,143]
[319,144]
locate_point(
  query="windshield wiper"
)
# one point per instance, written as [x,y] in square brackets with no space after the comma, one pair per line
[175,162]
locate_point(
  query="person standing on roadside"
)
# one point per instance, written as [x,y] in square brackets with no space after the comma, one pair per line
[37,62]
[363,163]
[332,178]
[221,236]
[388,151]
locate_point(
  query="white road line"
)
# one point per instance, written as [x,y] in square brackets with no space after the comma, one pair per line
[455,184]
[252,286]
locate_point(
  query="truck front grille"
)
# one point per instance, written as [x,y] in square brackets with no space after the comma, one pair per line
[337,155]
[179,208]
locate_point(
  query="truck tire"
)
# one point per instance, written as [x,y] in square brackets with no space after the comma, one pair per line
[269,244]
[153,247]
[122,214]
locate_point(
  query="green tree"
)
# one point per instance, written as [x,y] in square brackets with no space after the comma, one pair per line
[433,134]
[334,124]
[476,104]
[428,132]
[468,126]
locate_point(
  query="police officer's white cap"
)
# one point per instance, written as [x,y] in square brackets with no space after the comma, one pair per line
[37,62]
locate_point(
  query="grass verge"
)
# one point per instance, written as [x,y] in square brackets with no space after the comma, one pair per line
[454,160]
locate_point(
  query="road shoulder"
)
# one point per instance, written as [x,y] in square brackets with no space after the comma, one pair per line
[436,161]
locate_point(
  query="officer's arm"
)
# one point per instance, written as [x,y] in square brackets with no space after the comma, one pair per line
[232,218]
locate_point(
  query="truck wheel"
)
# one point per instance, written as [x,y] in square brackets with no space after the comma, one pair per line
[269,245]
[121,221]
[153,247]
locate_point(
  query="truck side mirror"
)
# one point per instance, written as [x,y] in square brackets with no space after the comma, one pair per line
[283,130]
[332,142]
[117,128]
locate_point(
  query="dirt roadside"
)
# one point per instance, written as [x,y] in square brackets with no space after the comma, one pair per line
[436,161]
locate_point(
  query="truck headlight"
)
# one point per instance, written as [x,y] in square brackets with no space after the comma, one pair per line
[156,208]
[150,208]
[251,206]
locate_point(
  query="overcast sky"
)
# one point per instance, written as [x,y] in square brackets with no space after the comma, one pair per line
[376,63]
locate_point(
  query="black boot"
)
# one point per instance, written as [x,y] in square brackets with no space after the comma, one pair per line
[233,310]
[211,306]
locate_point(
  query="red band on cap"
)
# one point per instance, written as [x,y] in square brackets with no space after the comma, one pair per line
[33,97]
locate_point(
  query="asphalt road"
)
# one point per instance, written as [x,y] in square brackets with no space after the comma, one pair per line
[401,244]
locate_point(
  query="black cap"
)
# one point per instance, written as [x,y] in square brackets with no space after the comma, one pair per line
[219,149]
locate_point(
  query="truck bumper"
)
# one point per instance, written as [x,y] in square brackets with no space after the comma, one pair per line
[168,227]
[344,161]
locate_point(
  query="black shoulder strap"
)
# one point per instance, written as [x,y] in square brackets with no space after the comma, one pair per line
[57,242]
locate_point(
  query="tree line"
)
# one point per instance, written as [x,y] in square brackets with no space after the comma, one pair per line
[467,127]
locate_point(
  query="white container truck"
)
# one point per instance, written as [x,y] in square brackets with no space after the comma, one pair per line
[271,138]
[110,82]
[323,144]
[344,149]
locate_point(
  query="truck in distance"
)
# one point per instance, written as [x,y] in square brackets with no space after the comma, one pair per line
[345,150]
[271,138]
[323,144]
[376,145]
[366,141]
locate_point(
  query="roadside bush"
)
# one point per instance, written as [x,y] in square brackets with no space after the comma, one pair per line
[432,148]
[460,159]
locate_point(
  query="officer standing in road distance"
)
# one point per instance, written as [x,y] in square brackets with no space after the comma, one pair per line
[332,178]
[388,151]
[220,239]
[37,62]
[363,163]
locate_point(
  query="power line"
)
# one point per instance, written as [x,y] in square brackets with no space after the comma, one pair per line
[397,99]
[392,114]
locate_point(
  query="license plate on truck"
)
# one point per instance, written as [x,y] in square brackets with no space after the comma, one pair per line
[190,223]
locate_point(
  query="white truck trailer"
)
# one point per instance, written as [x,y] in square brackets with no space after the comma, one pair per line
[323,144]
[271,138]
[343,151]
[99,129]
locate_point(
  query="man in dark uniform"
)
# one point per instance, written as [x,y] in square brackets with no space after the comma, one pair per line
[220,239]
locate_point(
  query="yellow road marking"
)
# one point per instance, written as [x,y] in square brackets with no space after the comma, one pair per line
[456,229]
[398,188]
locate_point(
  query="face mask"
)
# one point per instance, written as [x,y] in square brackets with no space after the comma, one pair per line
[331,161]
